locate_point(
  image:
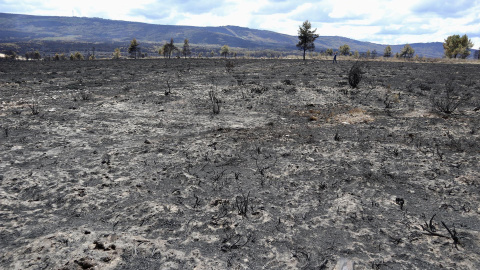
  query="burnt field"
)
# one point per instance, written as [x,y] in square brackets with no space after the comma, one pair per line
[125,165]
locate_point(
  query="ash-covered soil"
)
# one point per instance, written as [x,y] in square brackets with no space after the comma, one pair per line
[100,168]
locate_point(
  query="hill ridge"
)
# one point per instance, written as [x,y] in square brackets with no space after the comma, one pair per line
[31,29]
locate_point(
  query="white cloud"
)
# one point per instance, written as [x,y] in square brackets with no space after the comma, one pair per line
[380,21]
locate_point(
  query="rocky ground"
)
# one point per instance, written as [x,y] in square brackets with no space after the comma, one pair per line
[124,165]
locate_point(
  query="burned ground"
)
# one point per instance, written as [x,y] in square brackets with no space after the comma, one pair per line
[124,165]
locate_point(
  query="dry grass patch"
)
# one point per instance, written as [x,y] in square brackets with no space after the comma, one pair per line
[353,116]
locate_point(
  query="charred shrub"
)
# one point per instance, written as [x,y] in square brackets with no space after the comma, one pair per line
[215,102]
[229,66]
[425,87]
[259,89]
[241,202]
[34,107]
[85,95]
[287,82]
[355,75]
[448,100]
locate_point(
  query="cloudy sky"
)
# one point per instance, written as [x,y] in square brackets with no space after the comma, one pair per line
[380,21]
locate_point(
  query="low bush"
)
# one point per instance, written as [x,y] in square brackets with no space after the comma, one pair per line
[448,100]
[355,75]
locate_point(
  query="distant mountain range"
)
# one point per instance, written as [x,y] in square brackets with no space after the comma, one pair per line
[51,34]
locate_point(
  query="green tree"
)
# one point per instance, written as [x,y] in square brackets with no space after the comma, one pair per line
[116,53]
[186,48]
[329,52]
[224,50]
[356,54]
[368,54]
[457,46]
[212,53]
[306,38]
[134,48]
[344,49]
[374,53]
[407,51]
[387,52]
[76,56]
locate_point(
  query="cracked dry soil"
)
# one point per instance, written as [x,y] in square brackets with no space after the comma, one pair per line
[99,168]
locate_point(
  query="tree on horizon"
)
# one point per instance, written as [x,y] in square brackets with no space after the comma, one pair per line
[457,46]
[407,51]
[116,53]
[168,49]
[344,49]
[387,52]
[186,48]
[306,37]
[224,50]
[356,54]
[134,47]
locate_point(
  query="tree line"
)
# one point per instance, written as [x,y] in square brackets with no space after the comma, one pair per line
[168,49]
[454,46]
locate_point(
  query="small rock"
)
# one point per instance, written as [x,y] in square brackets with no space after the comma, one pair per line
[345,264]
[85,263]
[148,142]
